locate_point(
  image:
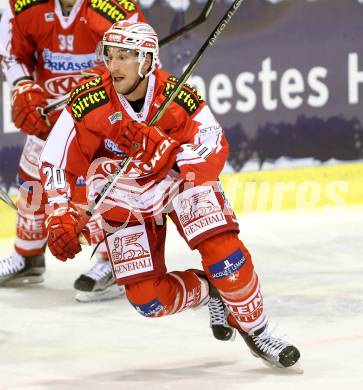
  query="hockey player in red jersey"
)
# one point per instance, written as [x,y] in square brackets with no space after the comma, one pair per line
[47,44]
[174,172]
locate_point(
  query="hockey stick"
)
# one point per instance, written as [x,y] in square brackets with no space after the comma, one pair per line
[7,200]
[164,41]
[121,168]
[194,23]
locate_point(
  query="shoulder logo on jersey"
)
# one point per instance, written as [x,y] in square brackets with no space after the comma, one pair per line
[22,5]
[88,101]
[188,97]
[84,87]
[127,5]
[113,11]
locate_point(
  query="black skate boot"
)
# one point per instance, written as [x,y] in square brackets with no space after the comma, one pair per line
[274,352]
[16,270]
[98,284]
[218,312]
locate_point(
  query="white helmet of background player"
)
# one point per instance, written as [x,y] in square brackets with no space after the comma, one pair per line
[134,36]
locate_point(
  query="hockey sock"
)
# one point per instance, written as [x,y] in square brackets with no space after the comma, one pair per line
[30,232]
[229,267]
[169,294]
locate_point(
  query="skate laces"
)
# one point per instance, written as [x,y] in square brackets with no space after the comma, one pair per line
[269,344]
[216,312]
[11,264]
[99,270]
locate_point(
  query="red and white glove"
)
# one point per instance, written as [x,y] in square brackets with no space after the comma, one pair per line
[27,98]
[63,235]
[153,147]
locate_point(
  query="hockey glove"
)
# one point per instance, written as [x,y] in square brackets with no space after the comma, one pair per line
[63,236]
[27,98]
[155,149]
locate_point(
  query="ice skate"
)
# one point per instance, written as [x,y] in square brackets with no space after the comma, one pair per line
[16,270]
[275,352]
[218,312]
[98,284]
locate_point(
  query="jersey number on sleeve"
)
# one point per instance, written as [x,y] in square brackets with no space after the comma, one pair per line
[55,178]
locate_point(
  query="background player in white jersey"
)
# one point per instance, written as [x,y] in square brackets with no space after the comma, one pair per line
[46,45]
[174,171]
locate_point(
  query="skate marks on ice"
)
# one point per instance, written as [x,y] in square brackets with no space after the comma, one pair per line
[196,375]
[312,276]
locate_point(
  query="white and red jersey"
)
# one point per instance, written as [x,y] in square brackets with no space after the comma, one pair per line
[39,41]
[82,144]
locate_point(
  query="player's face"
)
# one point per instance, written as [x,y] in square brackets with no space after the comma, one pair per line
[68,4]
[124,67]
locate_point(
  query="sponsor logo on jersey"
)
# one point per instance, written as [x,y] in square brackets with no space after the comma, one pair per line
[30,229]
[250,310]
[113,11]
[84,87]
[130,252]
[227,267]
[59,86]
[49,16]
[129,6]
[113,148]
[22,5]
[67,63]
[149,309]
[88,102]
[206,132]
[188,97]
[81,181]
[117,116]
[198,211]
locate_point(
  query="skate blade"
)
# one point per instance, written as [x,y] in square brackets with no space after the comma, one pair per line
[233,337]
[295,369]
[112,292]
[23,280]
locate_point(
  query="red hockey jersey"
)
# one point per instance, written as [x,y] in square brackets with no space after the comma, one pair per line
[40,42]
[81,144]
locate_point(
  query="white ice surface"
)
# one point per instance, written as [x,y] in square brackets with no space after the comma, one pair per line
[311,268]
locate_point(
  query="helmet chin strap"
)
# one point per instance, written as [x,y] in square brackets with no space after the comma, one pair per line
[141,60]
[132,89]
